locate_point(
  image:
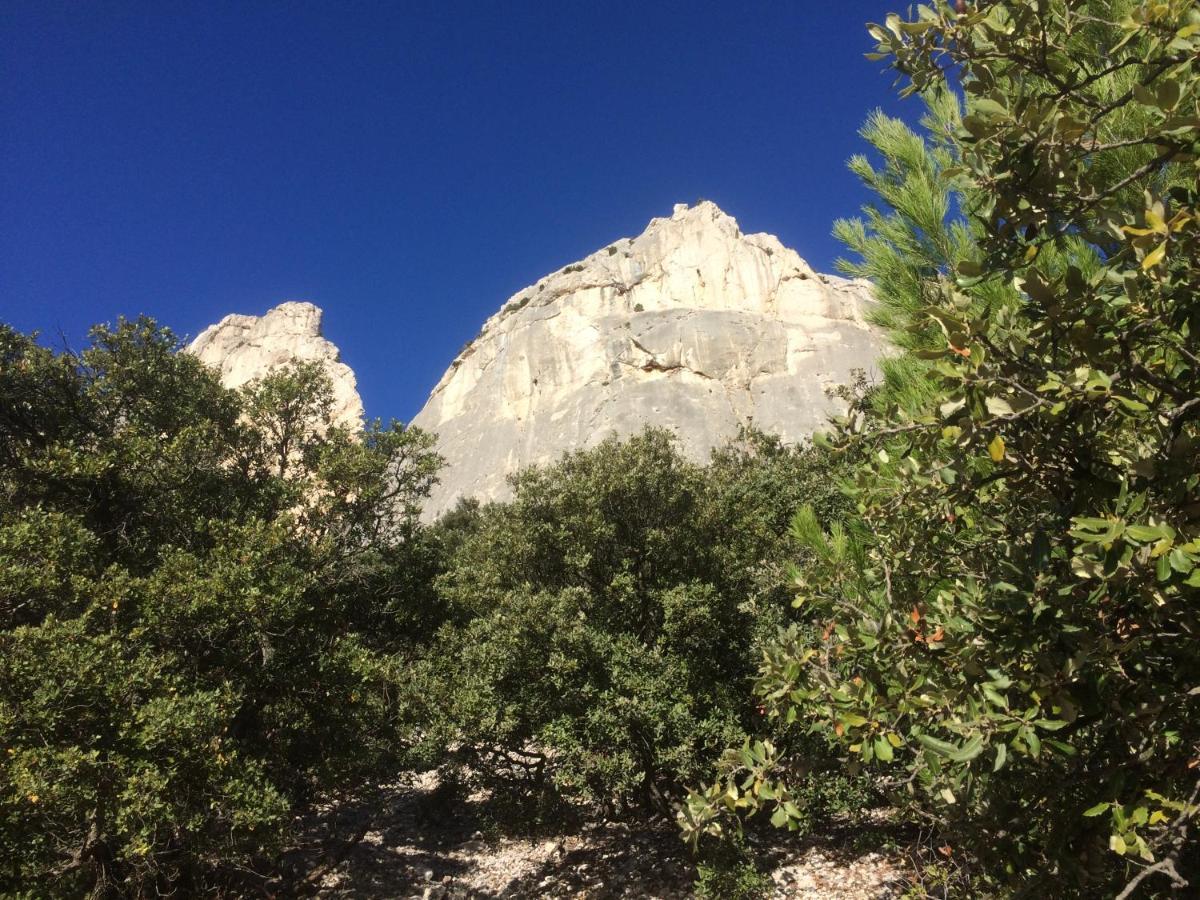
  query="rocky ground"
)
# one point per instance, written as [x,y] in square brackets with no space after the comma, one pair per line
[416,843]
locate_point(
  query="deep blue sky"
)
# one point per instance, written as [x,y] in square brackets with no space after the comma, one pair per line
[405,165]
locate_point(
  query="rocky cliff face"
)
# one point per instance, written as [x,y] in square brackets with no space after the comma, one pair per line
[243,348]
[692,326]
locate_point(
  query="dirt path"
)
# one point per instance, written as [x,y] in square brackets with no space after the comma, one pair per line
[419,845]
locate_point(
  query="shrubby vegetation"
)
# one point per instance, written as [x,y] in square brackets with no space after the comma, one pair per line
[217,609]
[601,624]
[200,627]
[1010,620]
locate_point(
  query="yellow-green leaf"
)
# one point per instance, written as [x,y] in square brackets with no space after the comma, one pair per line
[1155,221]
[996,449]
[883,750]
[1155,256]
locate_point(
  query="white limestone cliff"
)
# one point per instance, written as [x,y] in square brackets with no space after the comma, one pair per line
[243,348]
[692,326]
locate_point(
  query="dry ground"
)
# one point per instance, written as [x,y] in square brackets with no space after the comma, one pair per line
[417,843]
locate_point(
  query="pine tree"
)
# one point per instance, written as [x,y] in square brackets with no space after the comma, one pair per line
[1011,619]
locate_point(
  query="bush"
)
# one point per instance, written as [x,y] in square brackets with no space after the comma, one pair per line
[186,658]
[1009,627]
[605,618]
[729,873]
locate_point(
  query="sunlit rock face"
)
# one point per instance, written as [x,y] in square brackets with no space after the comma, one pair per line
[243,348]
[692,325]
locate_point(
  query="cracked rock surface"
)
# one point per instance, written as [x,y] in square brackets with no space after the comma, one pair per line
[692,326]
[243,348]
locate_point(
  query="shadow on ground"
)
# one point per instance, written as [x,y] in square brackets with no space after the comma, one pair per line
[414,840]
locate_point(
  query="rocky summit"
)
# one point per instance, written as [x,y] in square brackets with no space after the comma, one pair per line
[692,326]
[243,348]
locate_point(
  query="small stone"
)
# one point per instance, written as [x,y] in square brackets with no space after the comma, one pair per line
[429,874]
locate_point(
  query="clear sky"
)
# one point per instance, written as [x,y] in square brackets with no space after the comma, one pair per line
[405,165]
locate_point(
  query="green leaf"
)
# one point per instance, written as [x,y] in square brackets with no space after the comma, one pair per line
[1131,403]
[1034,742]
[1147,533]
[883,750]
[998,406]
[1162,568]
[950,407]
[987,107]
[1084,567]
[964,753]
[1143,96]
[1001,757]
[1094,811]
[938,746]
[1062,747]
[968,751]
[1050,724]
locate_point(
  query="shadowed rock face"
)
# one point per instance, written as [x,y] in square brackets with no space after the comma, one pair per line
[692,326]
[243,348]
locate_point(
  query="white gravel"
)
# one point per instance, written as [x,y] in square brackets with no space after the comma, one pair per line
[419,847]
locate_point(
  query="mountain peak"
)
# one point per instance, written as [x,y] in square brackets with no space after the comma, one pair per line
[242,348]
[691,324]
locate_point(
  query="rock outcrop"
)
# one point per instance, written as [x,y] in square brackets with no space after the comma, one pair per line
[243,348]
[692,326]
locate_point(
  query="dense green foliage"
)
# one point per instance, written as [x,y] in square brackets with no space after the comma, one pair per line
[217,609]
[602,622]
[1010,616]
[187,650]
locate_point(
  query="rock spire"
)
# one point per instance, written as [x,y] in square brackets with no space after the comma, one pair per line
[243,348]
[692,325]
